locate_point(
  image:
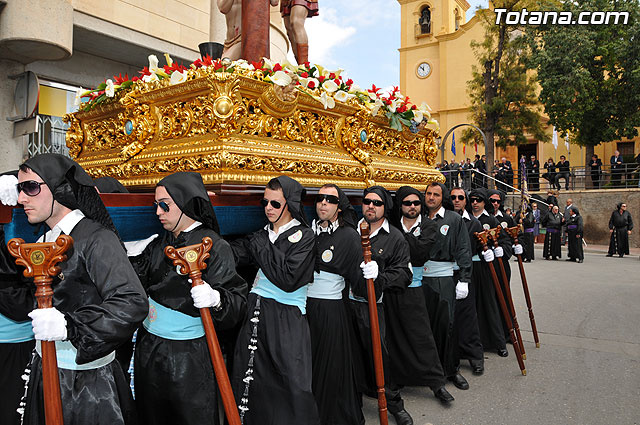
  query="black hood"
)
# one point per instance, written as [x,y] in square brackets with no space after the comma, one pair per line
[575,209]
[402,193]
[71,186]
[347,212]
[446,197]
[109,185]
[499,193]
[482,193]
[467,204]
[187,190]
[384,195]
[294,193]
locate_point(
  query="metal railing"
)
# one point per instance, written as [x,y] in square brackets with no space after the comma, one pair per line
[49,138]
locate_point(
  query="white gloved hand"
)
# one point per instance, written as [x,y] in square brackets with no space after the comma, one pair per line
[498,251]
[517,249]
[48,324]
[369,270]
[205,296]
[488,255]
[462,290]
[8,190]
[135,248]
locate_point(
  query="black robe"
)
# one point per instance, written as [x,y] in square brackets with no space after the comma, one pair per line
[391,252]
[620,224]
[338,252]
[103,303]
[174,379]
[412,350]
[553,224]
[281,367]
[452,245]
[526,238]
[574,237]
[505,242]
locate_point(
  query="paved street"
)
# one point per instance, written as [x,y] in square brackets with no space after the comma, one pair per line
[587,370]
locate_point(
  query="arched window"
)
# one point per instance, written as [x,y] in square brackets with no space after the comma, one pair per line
[425,20]
[457,18]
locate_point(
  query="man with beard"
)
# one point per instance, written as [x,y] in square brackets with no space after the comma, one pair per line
[338,254]
[174,377]
[412,349]
[390,269]
[620,226]
[489,314]
[272,360]
[469,344]
[98,301]
[574,235]
[441,291]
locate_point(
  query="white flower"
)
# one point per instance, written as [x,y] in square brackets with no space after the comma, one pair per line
[355,89]
[394,104]
[375,107]
[342,96]
[326,100]
[305,82]
[417,116]
[280,78]
[330,86]
[168,59]
[372,95]
[243,64]
[153,63]
[79,93]
[149,78]
[110,89]
[178,77]
[268,63]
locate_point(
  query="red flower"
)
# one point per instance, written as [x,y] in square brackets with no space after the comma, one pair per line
[332,75]
[145,71]
[311,85]
[322,78]
[277,67]
[257,65]
[373,89]
[217,65]
[305,75]
[337,81]
[414,107]
[349,82]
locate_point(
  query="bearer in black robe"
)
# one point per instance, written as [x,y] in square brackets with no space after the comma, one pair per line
[620,226]
[527,237]
[174,378]
[338,258]
[574,235]
[391,271]
[412,349]
[487,307]
[441,291]
[553,224]
[465,324]
[272,362]
[98,301]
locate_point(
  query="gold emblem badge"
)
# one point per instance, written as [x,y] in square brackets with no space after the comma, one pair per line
[191,256]
[37,257]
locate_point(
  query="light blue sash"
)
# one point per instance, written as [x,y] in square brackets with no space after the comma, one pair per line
[326,285]
[12,331]
[66,356]
[172,324]
[263,287]
[438,268]
[456,267]
[416,281]
[475,258]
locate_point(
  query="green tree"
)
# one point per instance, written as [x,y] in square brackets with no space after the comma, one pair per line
[590,74]
[503,95]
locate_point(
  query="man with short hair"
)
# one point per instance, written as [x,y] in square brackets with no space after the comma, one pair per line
[98,300]
[441,291]
[564,172]
[596,170]
[616,168]
[533,174]
[390,270]
[272,366]
[620,226]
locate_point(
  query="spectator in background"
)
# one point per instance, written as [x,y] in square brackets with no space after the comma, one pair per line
[550,175]
[563,172]
[533,174]
[616,168]
[455,172]
[536,221]
[596,170]
[466,168]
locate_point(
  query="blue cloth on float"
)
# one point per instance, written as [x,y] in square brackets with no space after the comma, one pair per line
[13,332]
[475,258]
[416,281]
[66,357]
[171,324]
[438,268]
[326,286]
[263,287]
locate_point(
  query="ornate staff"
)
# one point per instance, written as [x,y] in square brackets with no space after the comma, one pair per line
[483,238]
[513,232]
[495,234]
[375,327]
[191,260]
[39,260]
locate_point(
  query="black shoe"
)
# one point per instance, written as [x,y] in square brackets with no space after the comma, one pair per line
[459,381]
[580,261]
[621,255]
[570,259]
[402,417]
[477,366]
[443,395]
[502,352]
[609,255]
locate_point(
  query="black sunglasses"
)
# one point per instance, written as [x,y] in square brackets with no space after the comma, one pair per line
[409,203]
[376,202]
[472,200]
[274,204]
[30,187]
[332,199]
[458,197]
[494,201]
[161,204]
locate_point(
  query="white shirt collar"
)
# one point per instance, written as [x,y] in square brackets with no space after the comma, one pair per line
[484,212]
[65,225]
[498,213]
[385,226]
[440,212]
[465,214]
[332,227]
[193,226]
[417,223]
[273,236]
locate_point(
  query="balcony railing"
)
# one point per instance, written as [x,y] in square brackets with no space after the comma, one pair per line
[49,138]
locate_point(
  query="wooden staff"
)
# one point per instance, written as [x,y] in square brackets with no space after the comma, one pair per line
[375,328]
[513,232]
[191,260]
[39,261]
[483,238]
[495,234]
